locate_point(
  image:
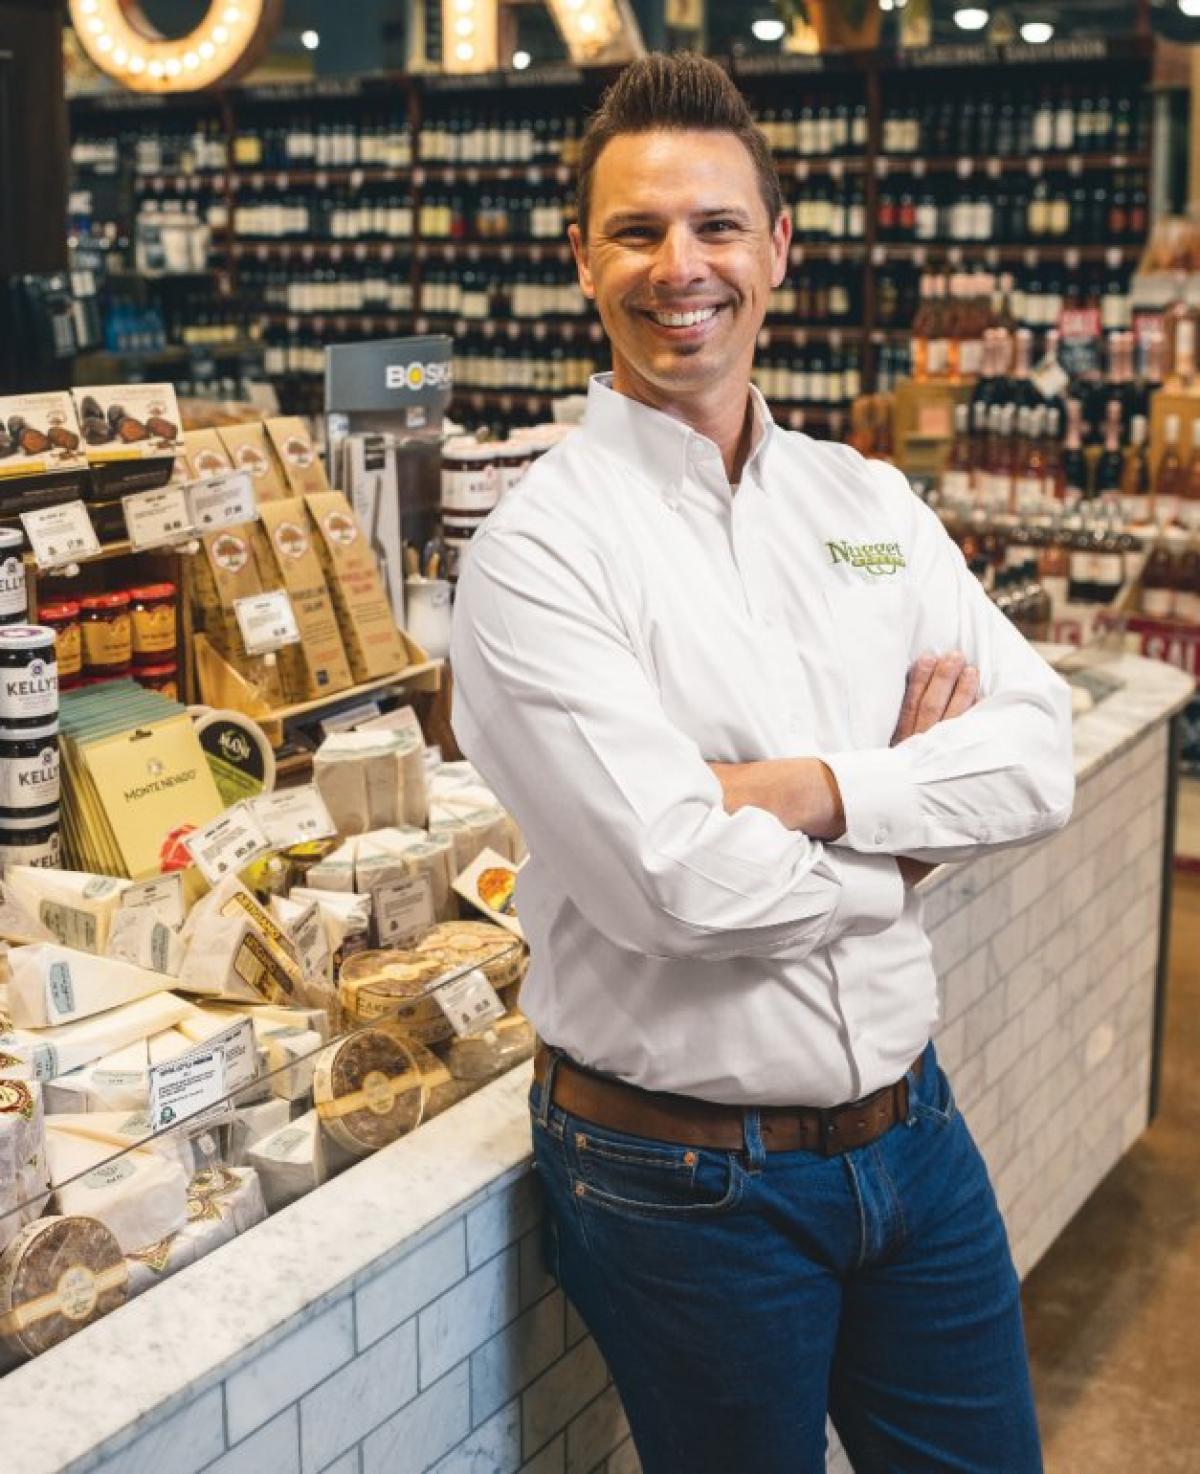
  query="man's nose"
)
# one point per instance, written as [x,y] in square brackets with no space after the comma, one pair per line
[679,258]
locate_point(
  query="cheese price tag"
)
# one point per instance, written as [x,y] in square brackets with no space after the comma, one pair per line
[470,1003]
[227,844]
[403,910]
[267,622]
[61,534]
[222,501]
[312,944]
[184,1087]
[153,518]
[293,816]
[163,894]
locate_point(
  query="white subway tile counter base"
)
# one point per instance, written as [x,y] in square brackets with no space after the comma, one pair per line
[399,1320]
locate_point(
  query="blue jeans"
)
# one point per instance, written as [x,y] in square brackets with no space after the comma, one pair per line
[739,1296]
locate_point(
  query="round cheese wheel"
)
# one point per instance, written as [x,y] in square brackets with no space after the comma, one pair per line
[368,1091]
[476,944]
[394,983]
[56,1276]
[481,1056]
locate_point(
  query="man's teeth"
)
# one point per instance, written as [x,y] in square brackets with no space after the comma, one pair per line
[684,319]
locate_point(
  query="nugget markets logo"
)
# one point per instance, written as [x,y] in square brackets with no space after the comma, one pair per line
[877,559]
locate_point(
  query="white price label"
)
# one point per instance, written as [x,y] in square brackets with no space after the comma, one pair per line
[267,622]
[403,910]
[61,534]
[153,518]
[222,501]
[470,1003]
[227,844]
[185,1087]
[163,895]
[293,816]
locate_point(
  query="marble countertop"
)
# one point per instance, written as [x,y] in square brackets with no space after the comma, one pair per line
[65,1410]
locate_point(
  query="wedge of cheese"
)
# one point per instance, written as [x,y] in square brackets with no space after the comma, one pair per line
[76,907]
[24,1177]
[140,1196]
[290,1162]
[137,936]
[291,1059]
[236,950]
[118,1082]
[52,984]
[254,1122]
[30,1054]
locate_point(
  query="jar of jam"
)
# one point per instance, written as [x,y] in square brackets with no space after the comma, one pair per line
[155,628]
[107,635]
[163,678]
[63,618]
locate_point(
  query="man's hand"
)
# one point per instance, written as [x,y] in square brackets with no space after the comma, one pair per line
[939,688]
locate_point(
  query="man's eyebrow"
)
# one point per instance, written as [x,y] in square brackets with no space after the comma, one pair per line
[638,217]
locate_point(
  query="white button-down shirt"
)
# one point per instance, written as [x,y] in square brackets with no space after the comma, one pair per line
[625,619]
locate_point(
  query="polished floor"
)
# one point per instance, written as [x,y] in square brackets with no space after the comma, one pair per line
[1113,1310]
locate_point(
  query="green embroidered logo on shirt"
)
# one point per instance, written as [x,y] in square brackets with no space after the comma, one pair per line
[879,559]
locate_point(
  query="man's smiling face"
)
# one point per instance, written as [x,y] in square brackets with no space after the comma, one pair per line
[680,258]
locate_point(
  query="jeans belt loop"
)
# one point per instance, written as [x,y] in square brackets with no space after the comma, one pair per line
[756,1152]
[545,1099]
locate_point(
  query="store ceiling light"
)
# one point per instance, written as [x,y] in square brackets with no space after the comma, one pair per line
[971,17]
[520,60]
[1037,32]
[1190,7]
[598,30]
[469,35]
[310,40]
[768,29]
[122,41]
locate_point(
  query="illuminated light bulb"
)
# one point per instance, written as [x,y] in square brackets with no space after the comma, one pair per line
[155,69]
[207,50]
[120,56]
[96,26]
[463,26]
[232,15]
[464,51]
[105,43]
[137,64]
[1190,7]
[1037,32]
[971,18]
[173,67]
[191,61]
[220,35]
[768,29]
[587,23]
[520,60]
[87,7]
[310,40]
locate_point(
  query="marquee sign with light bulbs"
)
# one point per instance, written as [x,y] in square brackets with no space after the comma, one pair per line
[121,40]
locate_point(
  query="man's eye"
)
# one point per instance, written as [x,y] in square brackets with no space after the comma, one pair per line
[721,227]
[634,232]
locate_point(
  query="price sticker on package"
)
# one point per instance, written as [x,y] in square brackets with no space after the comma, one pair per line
[163,895]
[156,518]
[293,816]
[403,910]
[61,534]
[312,944]
[267,622]
[222,501]
[227,844]
[470,1003]
[190,1086]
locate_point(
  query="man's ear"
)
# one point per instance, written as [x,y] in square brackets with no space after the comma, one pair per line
[781,239]
[579,248]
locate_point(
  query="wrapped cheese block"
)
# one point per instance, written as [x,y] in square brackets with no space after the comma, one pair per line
[222,1202]
[396,983]
[58,1275]
[168,1045]
[304,926]
[118,1081]
[342,780]
[291,1059]
[254,1122]
[479,1057]
[268,1016]
[138,936]
[347,920]
[368,1091]
[486,823]
[236,950]
[77,908]
[27,1054]
[290,1162]
[206,1023]
[52,984]
[462,842]
[334,871]
[140,1195]
[379,857]
[120,1130]
[412,852]
[24,1173]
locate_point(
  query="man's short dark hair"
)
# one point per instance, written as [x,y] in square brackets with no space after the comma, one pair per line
[679,91]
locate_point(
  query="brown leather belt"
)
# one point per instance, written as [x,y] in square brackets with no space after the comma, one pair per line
[685,1121]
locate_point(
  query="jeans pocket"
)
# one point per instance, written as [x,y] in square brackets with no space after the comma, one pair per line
[931,1098]
[649,1179]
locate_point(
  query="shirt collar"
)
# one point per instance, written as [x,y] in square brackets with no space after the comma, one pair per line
[659,447]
